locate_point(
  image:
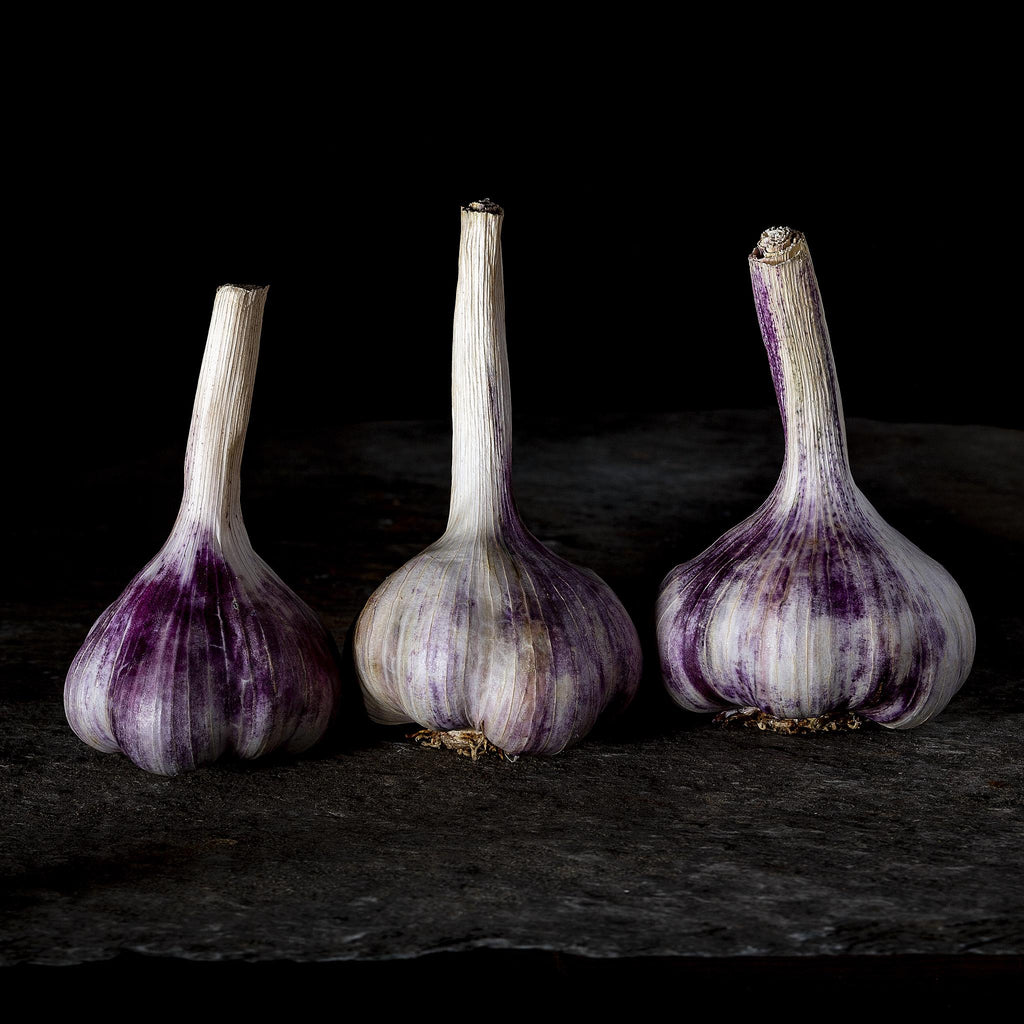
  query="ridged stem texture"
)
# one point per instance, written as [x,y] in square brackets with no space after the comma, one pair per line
[486,629]
[813,605]
[207,652]
[481,495]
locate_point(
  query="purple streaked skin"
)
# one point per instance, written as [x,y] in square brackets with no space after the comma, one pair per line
[486,629]
[207,652]
[510,640]
[813,604]
[201,658]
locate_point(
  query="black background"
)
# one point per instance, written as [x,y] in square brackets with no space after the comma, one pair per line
[631,203]
[151,157]
[624,293]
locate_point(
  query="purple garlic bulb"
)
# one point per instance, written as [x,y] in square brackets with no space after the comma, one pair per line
[814,605]
[487,631]
[207,652]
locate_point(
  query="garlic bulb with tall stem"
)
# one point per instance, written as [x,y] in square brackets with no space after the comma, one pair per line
[487,630]
[207,652]
[814,605]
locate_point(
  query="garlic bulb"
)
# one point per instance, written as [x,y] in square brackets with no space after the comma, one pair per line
[487,630]
[207,651]
[814,604]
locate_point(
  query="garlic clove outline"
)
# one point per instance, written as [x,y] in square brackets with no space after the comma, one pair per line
[207,652]
[505,639]
[814,604]
[487,629]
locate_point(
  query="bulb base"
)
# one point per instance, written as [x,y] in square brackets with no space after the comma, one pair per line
[752,718]
[468,742]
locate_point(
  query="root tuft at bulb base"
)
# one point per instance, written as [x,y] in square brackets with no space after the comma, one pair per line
[466,742]
[751,718]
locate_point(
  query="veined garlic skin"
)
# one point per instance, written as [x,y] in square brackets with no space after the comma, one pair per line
[207,652]
[814,604]
[487,629]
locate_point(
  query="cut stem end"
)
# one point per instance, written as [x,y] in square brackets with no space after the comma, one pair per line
[484,206]
[778,245]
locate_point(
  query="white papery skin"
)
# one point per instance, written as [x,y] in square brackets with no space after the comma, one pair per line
[486,629]
[814,604]
[207,651]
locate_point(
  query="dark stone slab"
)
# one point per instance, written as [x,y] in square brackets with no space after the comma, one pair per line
[661,836]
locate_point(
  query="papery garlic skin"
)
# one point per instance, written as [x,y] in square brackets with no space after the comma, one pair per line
[487,629]
[207,652]
[814,604]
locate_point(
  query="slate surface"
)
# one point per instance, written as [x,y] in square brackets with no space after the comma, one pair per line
[660,836]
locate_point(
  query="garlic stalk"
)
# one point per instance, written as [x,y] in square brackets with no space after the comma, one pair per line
[814,604]
[207,652]
[487,630]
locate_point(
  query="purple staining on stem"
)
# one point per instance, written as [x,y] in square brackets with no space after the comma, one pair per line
[486,630]
[814,604]
[207,652]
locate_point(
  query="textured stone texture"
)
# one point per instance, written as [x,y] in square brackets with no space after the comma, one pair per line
[661,836]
